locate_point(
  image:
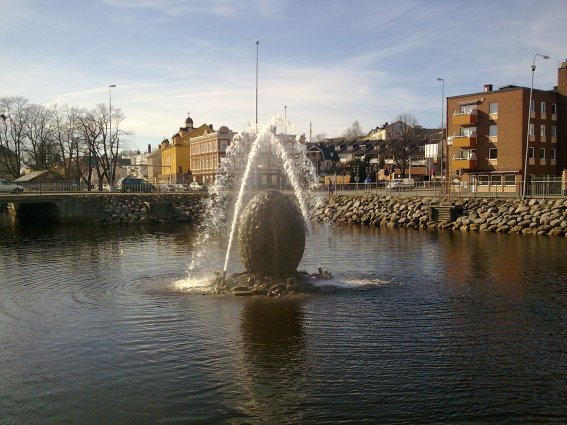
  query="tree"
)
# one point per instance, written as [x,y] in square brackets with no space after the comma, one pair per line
[353,131]
[405,137]
[103,148]
[41,150]
[318,137]
[71,149]
[12,137]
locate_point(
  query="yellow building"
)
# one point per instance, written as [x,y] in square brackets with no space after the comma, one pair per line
[176,155]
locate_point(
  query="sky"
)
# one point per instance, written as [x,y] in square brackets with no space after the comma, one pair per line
[322,63]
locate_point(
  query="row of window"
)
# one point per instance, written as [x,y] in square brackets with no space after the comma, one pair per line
[493,130]
[542,130]
[493,108]
[493,153]
[543,107]
[494,179]
[207,147]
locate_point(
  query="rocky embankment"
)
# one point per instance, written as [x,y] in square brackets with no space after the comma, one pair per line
[535,216]
[148,209]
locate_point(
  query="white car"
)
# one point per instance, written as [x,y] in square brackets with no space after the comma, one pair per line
[195,186]
[400,184]
[7,186]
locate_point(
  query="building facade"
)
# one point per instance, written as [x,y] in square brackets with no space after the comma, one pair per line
[488,134]
[206,153]
[176,155]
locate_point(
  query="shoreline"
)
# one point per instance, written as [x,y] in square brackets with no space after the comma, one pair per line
[533,217]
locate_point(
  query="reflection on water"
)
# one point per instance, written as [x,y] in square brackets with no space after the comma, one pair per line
[274,364]
[435,327]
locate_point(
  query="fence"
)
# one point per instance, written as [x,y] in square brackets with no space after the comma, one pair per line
[535,189]
[81,187]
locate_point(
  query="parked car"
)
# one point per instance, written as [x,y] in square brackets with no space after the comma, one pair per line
[195,186]
[130,184]
[401,184]
[10,187]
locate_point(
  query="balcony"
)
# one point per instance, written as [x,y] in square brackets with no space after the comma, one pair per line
[464,142]
[465,118]
[465,164]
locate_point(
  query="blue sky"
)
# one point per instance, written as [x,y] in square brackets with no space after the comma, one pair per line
[331,62]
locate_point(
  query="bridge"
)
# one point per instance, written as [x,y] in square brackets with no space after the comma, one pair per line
[79,207]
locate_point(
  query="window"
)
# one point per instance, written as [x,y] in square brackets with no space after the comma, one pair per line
[223,146]
[466,109]
[496,179]
[541,153]
[483,180]
[531,153]
[468,132]
[532,106]
[553,154]
[493,131]
[509,179]
[553,131]
[543,107]
[532,129]
[554,108]
[493,108]
[542,130]
[492,153]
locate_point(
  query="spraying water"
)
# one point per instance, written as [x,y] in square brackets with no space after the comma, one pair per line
[236,170]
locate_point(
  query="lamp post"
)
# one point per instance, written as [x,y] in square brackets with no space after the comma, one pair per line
[525,186]
[257,49]
[110,87]
[442,127]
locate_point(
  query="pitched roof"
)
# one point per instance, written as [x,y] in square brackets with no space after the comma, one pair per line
[39,175]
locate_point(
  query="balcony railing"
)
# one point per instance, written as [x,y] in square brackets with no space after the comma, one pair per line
[464,141]
[465,118]
[465,164]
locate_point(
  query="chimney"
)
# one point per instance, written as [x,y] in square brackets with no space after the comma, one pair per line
[487,88]
[149,148]
[562,78]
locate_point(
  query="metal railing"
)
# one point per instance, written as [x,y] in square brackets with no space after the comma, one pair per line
[535,189]
[81,187]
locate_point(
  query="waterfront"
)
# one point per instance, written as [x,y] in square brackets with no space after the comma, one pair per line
[423,327]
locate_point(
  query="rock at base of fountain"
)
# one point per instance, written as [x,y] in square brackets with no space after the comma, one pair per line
[271,235]
[247,284]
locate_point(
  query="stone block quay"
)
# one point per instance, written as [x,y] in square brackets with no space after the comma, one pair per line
[534,216]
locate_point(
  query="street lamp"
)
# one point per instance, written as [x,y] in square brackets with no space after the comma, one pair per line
[110,87]
[442,126]
[528,129]
[257,48]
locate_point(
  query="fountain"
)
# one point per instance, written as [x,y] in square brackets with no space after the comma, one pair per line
[272,226]
[271,236]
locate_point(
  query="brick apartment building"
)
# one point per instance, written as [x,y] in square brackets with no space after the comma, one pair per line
[487,134]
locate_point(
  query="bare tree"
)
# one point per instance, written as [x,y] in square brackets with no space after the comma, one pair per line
[318,137]
[405,137]
[353,131]
[102,147]
[41,153]
[12,134]
[72,150]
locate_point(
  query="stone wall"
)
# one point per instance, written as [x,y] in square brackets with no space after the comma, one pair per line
[125,209]
[540,217]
